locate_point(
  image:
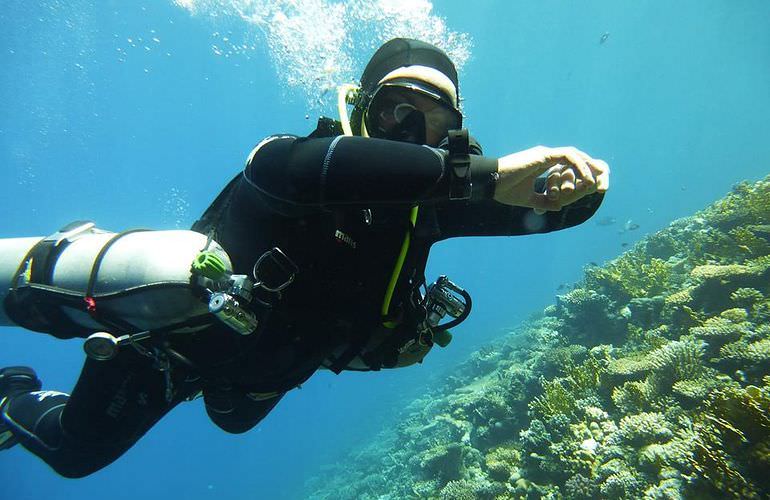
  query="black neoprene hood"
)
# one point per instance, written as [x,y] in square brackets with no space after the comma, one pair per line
[399,53]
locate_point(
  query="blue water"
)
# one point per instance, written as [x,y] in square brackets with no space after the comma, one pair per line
[135,114]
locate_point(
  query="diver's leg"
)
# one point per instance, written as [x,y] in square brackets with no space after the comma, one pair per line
[235,411]
[14,381]
[113,404]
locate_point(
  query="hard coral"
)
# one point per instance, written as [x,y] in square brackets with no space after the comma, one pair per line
[643,428]
[502,462]
[677,360]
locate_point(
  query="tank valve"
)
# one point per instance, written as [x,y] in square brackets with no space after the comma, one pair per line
[225,307]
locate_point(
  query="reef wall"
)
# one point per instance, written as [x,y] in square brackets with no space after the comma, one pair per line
[649,379]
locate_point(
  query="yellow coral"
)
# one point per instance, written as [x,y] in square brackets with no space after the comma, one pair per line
[631,275]
[755,352]
[635,396]
[712,271]
[695,389]
[736,315]
[745,297]
[682,297]
[628,367]
[555,400]
[718,329]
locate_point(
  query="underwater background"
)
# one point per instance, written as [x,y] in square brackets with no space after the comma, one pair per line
[136,114]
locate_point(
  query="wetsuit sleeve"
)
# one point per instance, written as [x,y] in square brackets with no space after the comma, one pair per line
[487,217]
[490,218]
[287,171]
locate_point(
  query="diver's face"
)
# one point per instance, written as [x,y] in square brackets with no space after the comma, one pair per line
[404,114]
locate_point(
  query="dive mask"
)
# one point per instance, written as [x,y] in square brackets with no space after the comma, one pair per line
[410,111]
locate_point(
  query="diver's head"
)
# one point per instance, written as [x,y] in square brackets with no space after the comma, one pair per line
[409,92]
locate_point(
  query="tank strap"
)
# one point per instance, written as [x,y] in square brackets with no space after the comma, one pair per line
[100,257]
[30,306]
[34,303]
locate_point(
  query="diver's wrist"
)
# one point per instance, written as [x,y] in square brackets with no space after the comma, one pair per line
[483,177]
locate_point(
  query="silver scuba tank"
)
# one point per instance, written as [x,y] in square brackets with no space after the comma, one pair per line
[143,278]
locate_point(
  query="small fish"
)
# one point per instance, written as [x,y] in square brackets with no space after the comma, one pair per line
[606,221]
[592,263]
[630,225]
[604,37]
[624,244]
[561,287]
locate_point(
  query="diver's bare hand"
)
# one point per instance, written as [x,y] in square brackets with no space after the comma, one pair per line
[570,175]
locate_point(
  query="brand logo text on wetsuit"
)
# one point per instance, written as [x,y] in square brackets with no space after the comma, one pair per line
[345,238]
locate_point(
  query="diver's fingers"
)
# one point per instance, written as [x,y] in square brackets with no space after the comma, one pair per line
[573,157]
[568,181]
[553,182]
[603,178]
[601,171]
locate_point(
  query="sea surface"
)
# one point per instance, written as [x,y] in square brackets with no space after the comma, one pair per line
[136,114]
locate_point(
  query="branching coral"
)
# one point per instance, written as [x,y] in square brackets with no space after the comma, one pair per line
[635,396]
[629,276]
[458,490]
[584,379]
[556,399]
[747,205]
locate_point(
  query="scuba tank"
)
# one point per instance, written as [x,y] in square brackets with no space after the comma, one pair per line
[141,285]
[82,279]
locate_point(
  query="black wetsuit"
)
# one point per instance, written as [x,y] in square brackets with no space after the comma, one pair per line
[339,208]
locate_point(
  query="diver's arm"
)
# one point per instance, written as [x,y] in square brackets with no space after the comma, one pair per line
[570,192]
[490,218]
[317,173]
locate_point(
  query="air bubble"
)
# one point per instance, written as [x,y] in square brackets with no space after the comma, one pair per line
[315,44]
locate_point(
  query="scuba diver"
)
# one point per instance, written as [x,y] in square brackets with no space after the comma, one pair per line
[312,257]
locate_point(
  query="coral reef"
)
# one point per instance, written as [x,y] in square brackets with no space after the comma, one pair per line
[649,379]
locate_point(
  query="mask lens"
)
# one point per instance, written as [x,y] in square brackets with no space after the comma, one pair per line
[401,111]
[391,106]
